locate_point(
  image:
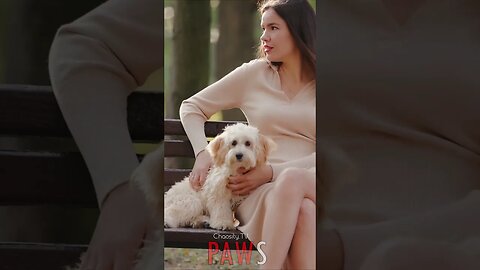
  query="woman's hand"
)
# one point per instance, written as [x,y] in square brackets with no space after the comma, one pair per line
[197,177]
[243,184]
[122,225]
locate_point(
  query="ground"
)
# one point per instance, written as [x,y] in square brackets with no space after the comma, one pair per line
[184,258]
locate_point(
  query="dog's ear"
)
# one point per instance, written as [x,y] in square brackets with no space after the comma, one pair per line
[214,148]
[265,147]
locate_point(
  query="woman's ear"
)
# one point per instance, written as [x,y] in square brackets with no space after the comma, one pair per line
[214,148]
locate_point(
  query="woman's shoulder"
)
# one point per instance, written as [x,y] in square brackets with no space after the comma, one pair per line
[256,66]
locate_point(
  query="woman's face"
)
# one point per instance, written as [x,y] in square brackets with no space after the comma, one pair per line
[277,42]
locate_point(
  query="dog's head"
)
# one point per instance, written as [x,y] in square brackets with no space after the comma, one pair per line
[240,147]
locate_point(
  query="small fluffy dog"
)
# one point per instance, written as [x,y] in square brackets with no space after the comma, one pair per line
[238,149]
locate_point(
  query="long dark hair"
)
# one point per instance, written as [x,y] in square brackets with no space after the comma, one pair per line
[300,18]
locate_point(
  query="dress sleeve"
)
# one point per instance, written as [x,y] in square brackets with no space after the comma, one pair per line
[226,93]
[95,62]
[305,163]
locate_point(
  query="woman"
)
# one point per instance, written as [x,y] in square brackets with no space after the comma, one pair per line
[277,95]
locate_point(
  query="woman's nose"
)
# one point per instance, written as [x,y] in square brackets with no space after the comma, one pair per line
[264,36]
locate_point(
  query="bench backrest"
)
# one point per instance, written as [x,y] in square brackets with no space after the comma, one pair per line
[40,175]
[40,163]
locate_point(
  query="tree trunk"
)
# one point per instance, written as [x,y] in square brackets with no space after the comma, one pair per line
[236,44]
[191,52]
[191,42]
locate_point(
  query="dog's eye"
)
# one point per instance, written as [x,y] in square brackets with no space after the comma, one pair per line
[234,143]
[247,143]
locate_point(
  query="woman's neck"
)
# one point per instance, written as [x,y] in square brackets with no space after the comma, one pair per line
[293,70]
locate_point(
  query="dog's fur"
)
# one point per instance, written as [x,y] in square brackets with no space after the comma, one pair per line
[238,149]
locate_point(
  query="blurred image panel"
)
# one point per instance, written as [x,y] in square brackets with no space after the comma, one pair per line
[397,107]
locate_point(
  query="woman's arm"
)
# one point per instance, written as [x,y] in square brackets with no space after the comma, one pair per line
[243,184]
[95,63]
[227,93]
[305,163]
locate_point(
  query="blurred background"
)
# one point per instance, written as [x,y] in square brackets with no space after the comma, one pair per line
[27,29]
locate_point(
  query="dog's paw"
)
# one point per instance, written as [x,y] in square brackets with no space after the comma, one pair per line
[201,222]
[224,225]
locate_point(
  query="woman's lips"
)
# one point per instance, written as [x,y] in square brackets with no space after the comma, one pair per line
[267,49]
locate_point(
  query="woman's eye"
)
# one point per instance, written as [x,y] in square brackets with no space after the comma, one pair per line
[247,143]
[234,143]
[274,28]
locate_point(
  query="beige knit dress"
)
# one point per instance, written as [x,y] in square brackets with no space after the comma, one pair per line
[255,88]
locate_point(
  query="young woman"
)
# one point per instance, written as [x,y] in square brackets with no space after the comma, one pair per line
[277,95]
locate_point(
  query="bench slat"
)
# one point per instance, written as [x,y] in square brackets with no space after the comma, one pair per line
[17,255]
[33,111]
[178,148]
[45,178]
[212,128]
[174,175]
[199,238]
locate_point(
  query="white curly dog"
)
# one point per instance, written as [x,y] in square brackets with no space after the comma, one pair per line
[237,150]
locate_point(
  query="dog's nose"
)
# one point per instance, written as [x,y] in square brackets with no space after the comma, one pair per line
[239,156]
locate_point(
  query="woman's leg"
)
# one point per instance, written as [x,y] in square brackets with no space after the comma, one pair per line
[302,250]
[284,202]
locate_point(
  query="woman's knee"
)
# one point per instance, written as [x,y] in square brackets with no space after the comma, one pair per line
[294,182]
[287,184]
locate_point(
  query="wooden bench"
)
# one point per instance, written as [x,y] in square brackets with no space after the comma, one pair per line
[39,176]
[177,145]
